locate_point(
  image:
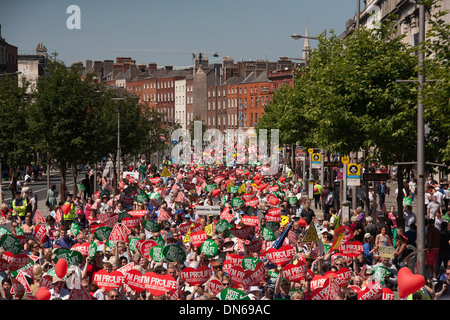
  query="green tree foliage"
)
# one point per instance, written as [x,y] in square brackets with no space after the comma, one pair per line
[347,99]
[436,93]
[15,139]
[74,120]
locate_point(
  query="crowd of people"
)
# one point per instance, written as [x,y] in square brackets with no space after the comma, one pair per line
[260,239]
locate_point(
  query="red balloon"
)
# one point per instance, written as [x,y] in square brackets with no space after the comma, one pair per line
[43,294]
[61,268]
[302,222]
[215,192]
[66,208]
[409,282]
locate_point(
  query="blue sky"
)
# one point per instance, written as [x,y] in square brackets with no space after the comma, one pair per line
[242,29]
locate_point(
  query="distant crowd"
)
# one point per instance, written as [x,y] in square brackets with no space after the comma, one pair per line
[216,233]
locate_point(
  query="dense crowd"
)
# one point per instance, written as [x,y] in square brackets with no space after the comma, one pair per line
[213,233]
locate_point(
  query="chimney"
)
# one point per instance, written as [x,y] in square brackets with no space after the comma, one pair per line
[98,68]
[116,68]
[133,70]
[107,65]
[168,68]
[142,67]
[249,68]
[88,64]
[152,67]
[261,66]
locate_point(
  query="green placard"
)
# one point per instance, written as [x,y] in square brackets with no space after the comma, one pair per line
[102,233]
[140,198]
[11,244]
[4,231]
[210,187]
[272,225]
[74,229]
[249,263]
[236,202]
[72,257]
[156,253]
[132,243]
[222,225]
[209,248]
[267,234]
[233,294]
[81,187]
[151,226]
[174,253]
[92,249]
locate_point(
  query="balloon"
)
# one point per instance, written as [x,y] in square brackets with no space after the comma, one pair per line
[409,282]
[66,208]
[302,222]
[61,268]
[215,192]
[43,294]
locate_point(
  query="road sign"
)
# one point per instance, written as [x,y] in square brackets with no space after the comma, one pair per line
[310,150]
[353,174]
[345,159]
[316,160]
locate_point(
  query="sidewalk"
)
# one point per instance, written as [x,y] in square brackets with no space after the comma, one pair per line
[390,201]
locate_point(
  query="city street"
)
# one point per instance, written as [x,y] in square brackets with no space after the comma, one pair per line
[39,187]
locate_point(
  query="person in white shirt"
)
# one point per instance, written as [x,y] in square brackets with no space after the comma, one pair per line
[58,292]
[439,196]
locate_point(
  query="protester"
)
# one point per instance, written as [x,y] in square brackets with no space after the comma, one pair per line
[123,230]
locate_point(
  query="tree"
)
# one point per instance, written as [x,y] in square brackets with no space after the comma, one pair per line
[347,99]
[436,92]
[63,118]
[15,139]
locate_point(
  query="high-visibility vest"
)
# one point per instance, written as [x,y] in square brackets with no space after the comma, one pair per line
[19,210]
[423,293]
[336,221]
[71,214]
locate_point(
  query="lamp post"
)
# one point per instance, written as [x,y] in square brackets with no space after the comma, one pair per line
[421,148]
[118,141]
[297,36]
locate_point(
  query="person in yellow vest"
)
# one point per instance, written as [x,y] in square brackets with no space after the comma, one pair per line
[334,220]
[70,216]
[317,193]
[424,293]
[19,206]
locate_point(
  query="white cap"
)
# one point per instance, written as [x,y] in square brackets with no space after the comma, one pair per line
[254,288]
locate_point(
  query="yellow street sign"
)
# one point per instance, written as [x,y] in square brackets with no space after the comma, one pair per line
[310,150]
[353,170]
[345,159]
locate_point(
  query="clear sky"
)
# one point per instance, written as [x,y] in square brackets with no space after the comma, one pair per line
[242,29]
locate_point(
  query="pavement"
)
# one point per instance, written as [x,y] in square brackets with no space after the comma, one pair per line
[39,187]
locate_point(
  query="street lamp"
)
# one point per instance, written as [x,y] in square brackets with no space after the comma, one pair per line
[118,141]
[297,36]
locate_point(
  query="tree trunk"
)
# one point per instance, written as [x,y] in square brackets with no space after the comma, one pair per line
[63,170]
[115,175]
[75,171]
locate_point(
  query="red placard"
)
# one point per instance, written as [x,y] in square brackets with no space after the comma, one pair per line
[158,284]
[281,256]
[196,276]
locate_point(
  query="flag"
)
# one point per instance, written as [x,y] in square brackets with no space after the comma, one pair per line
[38,218]
[279,242]
[163,215]
[341,236]
[180,197]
